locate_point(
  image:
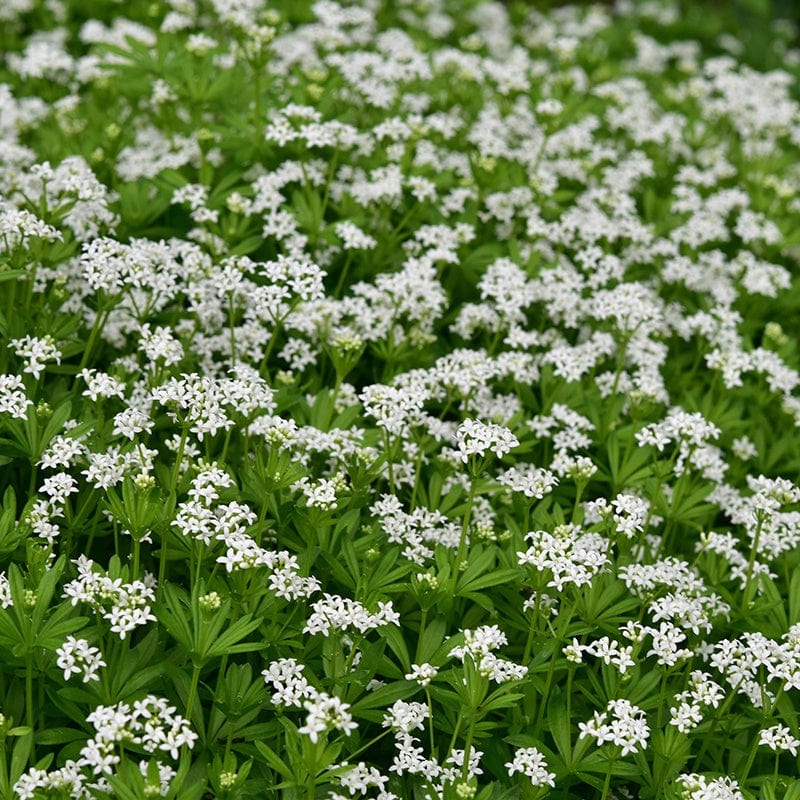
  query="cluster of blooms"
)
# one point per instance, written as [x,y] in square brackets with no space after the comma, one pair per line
[622,724]
[702,691]
[569,554]
[225,525]
[628,514]
[206,404]
[547,257]
[126,606]
[334,613]
[150,724]
[533,482]
[745,661]
[77,656]
[478,645]
[476,438]
[35,352]
[292,690]
[418,532]
[531,763]
[688,603]
[699,787]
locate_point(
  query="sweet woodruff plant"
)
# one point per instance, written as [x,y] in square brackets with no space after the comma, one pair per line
[399,401]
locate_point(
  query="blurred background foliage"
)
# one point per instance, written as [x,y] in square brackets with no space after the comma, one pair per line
[765,28]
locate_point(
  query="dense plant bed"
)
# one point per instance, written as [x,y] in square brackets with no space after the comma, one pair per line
[397,400]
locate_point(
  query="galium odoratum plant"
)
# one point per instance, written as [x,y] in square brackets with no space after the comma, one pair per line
[397,400]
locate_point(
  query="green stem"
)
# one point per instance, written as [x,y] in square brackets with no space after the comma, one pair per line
[422,620]
[540,711]
[468,749]
[749,587]
[231,328]
[750,759]
[343,275]
[192,691]
[462,542]
[661,699]
[368,744]
[430,721]
[607,782]
[532,628]
[455,735]
[262,367]
[417,469]
[389,461]
[29,721]
[136,551]
[171,499]
[99,322]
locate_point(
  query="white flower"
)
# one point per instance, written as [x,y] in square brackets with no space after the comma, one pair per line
[13,399]
[76,656]
[622,723]
[476,438]
[405,717]
[324,712]
[36,351]
[530,762]
[423,674]
[779,737]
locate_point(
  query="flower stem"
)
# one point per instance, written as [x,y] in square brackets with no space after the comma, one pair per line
[192,691]
[462,542]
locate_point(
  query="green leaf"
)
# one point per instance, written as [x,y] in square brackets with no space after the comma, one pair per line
[794,598]
[52,736]
[274,761]
[19,756]
[394,638]
[432,639]
[226,643]
[11,274]
[493,578]
[559,725]
[385,696]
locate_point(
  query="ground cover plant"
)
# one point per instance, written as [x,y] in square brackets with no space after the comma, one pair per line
[397,400]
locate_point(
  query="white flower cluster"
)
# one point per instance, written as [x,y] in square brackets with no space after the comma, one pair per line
[531,763]
[622,724]
[291,689]
[478,645]
[289,685]
[126,606]
[406,717]
[534,482]
[702,692]
[13,397]
[423,674]
[150,724]
[779,737]
[207,404]
[744,661]
[476,438]
[699,787]
[77,656]
[628,513]
[35,352]
[569,554]
[418,532]
[359,779]
[335,613]
[215,524]
[607,650]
